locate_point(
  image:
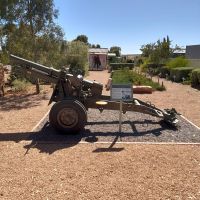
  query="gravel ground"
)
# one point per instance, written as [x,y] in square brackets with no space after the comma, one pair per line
[21,112]
[136,127]
[45,165]
[88,171]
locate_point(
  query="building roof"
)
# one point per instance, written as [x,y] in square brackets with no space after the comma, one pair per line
[192,45]
[98,50]
[131,55]
[181,51]
[111,54]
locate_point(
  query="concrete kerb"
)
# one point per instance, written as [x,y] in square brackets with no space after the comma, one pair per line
[127,143]
[190,122]
[38,124]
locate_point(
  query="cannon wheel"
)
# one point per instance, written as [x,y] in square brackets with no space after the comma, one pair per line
[68,116]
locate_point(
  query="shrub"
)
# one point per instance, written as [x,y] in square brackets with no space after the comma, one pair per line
[154,65]
[195,77]
[180,73]
[164,71]
[178,62]
[20,85]
[144,65]
[127,76]
[77,57]
[187,82]
[154,71]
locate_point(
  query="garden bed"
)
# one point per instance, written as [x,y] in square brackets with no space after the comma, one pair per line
[128,76]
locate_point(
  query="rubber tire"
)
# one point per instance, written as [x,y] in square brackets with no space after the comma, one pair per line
[75,105]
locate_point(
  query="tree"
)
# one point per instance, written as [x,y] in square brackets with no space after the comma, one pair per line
[28,30]
[98,46]
[77,57]
[82,38]
[116,50]
[147,49]
[95,46]
[158,52]
[35,13]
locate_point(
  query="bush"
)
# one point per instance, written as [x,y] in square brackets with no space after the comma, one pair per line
[195,77]
[178,62]
[77,57]
[20,85]
[127,76]
[164,71]
[116,66]
[153,71]
[154,65]
[180,73]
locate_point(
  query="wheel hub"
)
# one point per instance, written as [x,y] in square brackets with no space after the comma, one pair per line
[68,117]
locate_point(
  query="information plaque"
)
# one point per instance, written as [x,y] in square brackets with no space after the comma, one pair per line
[123,92]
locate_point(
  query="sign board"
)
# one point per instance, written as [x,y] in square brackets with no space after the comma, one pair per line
[123,92]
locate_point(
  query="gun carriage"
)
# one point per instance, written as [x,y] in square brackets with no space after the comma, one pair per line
[73,96]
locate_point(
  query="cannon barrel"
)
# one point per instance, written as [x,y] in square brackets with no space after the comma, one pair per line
[52,75]
[27,64]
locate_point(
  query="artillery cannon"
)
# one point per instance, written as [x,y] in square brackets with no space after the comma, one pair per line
[73,96]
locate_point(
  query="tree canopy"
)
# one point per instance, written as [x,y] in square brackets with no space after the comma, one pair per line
[116,50]
[159,51]
[27,29]
[82,38]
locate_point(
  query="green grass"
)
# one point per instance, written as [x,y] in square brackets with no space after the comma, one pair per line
[127,77]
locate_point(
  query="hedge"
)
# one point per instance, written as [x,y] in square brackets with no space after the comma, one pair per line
[178,62]
[116,66]
[195,77]
[180,72]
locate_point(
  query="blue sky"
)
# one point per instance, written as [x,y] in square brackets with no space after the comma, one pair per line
[130,23]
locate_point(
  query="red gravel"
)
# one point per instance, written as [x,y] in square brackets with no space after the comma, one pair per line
[79,172]
[138,172]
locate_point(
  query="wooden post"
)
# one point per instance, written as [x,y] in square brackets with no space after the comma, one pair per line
[120,116]
[38,86]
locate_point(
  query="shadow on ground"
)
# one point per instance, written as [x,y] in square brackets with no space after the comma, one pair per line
[47,140]
[22,101]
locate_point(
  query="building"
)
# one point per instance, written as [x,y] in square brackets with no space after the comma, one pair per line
[178,52]
[98,58]
[193,51]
